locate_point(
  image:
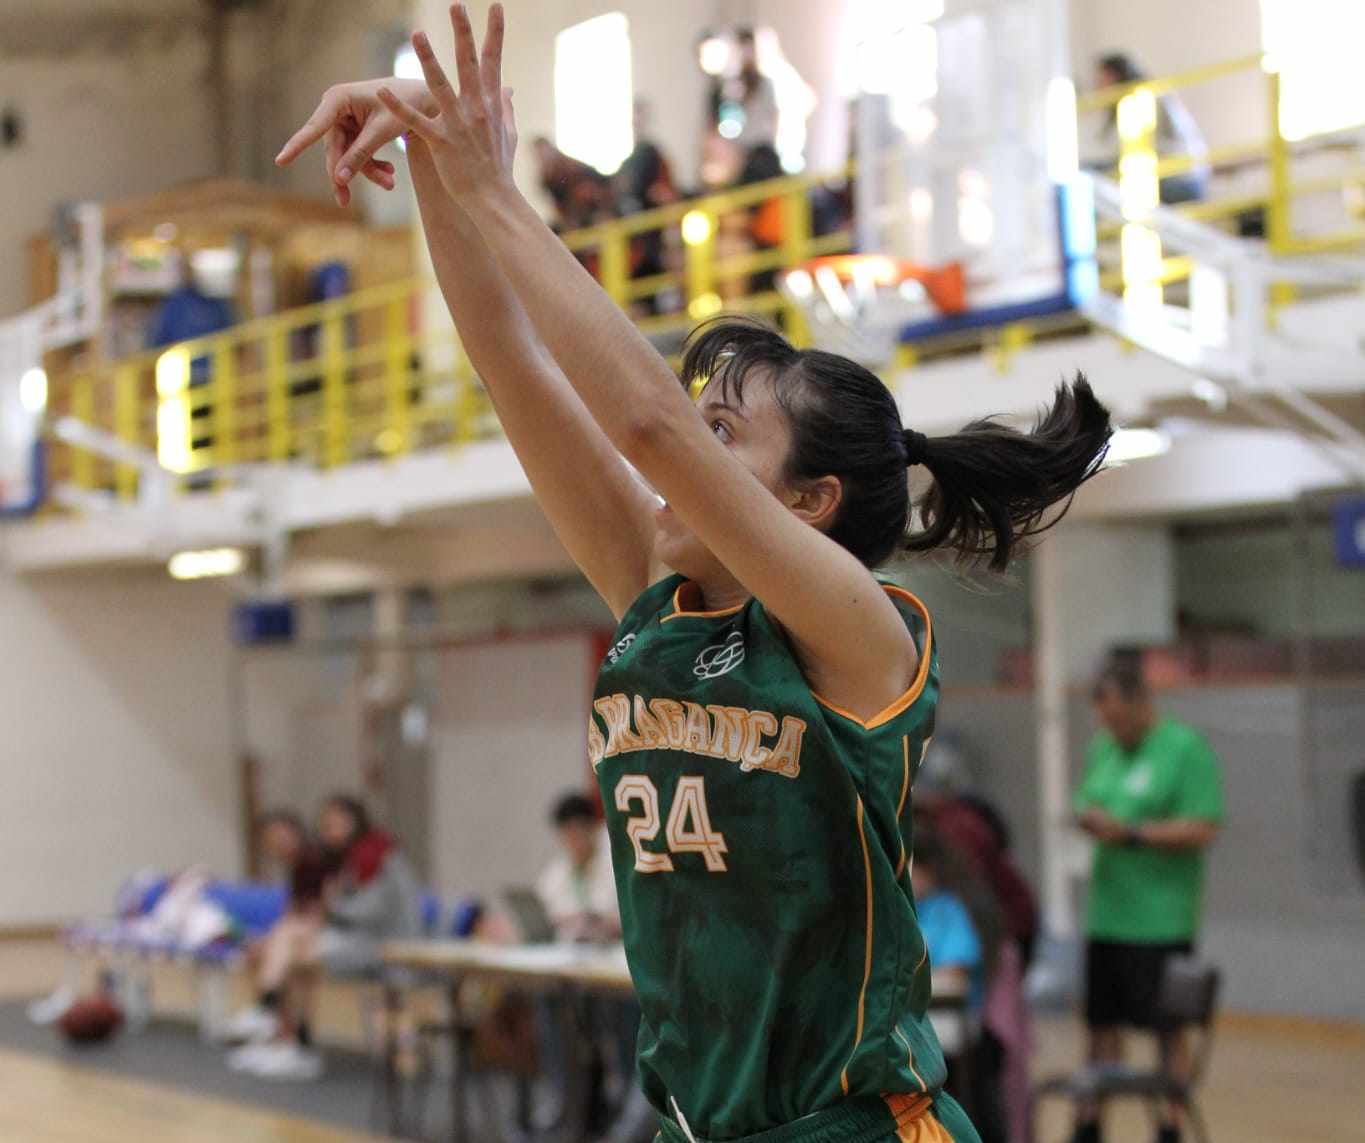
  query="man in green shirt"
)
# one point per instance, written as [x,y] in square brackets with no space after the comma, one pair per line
[1152,799]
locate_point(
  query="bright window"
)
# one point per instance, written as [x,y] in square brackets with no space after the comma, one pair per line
[593,91]
[1316,44]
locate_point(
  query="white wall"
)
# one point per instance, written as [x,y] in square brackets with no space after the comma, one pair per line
[118,751]
[1116,585]
[307,48]
[1269,580]
[1167,36]
[504,671]
[300,720]
[508,736]
[665,72]
[96,126]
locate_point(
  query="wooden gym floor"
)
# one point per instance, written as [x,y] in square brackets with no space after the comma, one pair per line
[1273,1081]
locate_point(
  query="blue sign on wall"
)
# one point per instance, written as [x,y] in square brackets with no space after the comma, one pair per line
[263,621]
[1348,519]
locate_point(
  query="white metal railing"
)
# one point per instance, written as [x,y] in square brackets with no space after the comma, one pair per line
[1229,333]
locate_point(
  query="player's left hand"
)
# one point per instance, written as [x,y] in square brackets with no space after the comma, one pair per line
[355,124]
[473,138]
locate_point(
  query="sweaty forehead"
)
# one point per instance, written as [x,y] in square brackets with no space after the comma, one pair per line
[750,395]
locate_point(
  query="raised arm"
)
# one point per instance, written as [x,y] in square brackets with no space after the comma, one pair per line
[598,508]
[845,627]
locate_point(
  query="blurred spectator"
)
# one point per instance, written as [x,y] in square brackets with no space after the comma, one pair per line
[963,933]
[577,887]
[188,312]
[955,948]
[1176,132]
[582,195]
[742,104]
[371,896]
[286,846]
[374,894]
[975,829]
[1152,799]
[645,179]
[578,891]
[644,182]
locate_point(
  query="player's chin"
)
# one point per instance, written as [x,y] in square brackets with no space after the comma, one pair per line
[677,548]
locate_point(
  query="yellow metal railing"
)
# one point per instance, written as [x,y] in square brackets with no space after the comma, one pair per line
[370,376]
[1143,268]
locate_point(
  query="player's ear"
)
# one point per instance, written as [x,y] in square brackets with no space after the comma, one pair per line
[817,501]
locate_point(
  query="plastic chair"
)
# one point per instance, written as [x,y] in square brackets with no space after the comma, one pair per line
[1188,998]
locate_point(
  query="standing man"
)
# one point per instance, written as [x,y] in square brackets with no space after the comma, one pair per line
[1152,799]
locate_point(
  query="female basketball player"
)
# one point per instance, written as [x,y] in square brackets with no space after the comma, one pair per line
[759,720]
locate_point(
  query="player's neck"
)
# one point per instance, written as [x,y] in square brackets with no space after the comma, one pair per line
[720,592]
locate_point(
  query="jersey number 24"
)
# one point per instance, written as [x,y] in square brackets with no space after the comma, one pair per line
[689,823]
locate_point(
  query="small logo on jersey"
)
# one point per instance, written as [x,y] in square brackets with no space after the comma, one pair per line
[622,646]
[721,658]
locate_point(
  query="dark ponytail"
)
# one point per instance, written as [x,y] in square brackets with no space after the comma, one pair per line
[993,486]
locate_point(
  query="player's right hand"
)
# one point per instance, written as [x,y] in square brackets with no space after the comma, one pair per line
[355,124]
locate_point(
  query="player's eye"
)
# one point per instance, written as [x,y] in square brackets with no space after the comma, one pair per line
[722,430]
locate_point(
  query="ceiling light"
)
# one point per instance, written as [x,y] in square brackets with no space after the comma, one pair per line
[33,390]
[207,563]
[1127,445]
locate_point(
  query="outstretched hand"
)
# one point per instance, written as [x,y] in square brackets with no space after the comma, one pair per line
[472,135]
[355,124]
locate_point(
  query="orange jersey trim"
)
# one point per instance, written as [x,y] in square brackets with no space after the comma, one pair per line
[867,950]
[679,612]
[910,1113]
[906,700]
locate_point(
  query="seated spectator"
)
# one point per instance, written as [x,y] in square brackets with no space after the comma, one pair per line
[974,829]
[1176,132]
[578,892]
[955,950]
[577,887]
[184,313]
[644,182]
[963,931]
[371,896]
[645,178]
[285,843]
[581,194]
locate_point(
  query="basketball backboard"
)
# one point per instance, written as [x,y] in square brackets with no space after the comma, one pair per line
[965,138]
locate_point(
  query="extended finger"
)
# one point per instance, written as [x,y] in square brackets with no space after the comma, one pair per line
[410,117]
[378,175]
[490,63]
[435,75]
[374,135]
[466,55]
[335,148]
[314,128]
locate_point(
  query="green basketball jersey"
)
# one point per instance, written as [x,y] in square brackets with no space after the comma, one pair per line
[756,835]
